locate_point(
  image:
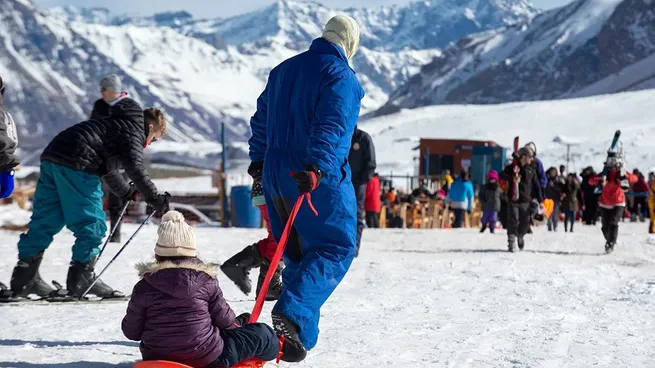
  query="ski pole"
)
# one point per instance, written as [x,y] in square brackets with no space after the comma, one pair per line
[113,229]
[259,304]
[117,254]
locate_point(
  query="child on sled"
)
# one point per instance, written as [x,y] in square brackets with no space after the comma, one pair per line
[178,312]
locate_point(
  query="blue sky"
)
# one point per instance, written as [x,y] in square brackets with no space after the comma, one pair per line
[223,8]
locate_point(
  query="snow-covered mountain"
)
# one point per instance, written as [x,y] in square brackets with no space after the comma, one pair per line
[205,72]
[588,47]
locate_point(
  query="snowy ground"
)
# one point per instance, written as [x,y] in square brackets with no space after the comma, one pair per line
[414,298]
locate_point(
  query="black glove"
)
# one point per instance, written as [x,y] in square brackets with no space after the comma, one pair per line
[309,179]
[160,202]
[242,319]
[255,170]
[132,194]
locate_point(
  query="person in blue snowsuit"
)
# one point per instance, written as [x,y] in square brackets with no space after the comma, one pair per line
[301,137]
[460,198]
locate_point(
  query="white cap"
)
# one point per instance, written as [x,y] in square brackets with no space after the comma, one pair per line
[176,237]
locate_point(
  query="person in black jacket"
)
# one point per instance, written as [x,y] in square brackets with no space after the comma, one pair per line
[111,92]
[8,143]
[362,167]
[518,212]
[69,193]
[553,191]
[589,196]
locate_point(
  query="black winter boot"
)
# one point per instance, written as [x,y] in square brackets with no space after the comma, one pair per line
[275,287]
[25,279]
[238,267]
[609,247]
[292,349]
[511,239]
[81,275]
[521,242]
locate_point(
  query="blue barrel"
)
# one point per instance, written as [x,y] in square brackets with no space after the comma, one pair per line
[244,214]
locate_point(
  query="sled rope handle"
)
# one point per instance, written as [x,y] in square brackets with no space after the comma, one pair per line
[275,261]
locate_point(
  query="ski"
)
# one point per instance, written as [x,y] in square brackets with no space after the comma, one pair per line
[58,296]
[16,301]
[610,151]
[615,140]
[515,184]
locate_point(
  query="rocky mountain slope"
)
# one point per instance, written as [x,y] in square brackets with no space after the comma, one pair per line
[588,47]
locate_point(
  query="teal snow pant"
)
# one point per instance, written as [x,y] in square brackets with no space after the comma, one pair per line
[65,197]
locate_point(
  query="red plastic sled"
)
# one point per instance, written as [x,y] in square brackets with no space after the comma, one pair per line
[252,363]
[159,364]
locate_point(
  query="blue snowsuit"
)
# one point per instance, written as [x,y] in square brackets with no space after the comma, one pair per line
[306,116]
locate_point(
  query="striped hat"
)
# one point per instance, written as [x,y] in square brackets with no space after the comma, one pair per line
[176,237]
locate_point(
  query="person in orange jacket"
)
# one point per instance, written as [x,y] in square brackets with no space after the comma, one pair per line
[612,199]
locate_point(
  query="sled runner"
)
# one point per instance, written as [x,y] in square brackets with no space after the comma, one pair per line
[252,363]
[159,364]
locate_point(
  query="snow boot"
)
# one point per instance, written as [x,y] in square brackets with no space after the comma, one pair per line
[275,287]
[81,275]
[484,227]
[510,243]
[238,267]
[609,247]
[25,279]
[293,350]
[521,242]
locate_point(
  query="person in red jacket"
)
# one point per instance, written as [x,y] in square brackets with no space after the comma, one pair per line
[372,203]
[612,200]
[640,190]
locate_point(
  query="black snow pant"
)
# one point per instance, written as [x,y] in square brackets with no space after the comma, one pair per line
[360,193]
[518,219]
[372,219]
[459,218]
[255,340]
[590,213]
[116,204]
[502,215]
[610,218]
[640,203]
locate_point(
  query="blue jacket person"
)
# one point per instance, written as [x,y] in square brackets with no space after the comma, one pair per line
[304,123]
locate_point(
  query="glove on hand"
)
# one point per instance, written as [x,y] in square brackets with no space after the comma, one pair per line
[132,195]
[309,179]
[160,202]
[242,319]
[255,170]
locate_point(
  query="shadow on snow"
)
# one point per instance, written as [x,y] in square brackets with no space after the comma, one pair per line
[53,344]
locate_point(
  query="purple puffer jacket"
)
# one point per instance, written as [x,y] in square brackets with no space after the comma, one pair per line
[176,311]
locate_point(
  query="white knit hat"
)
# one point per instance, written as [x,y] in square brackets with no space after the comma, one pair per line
[343,31]
[176,237]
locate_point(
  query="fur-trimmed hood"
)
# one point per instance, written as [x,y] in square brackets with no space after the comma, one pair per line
[152,267]
[180,279]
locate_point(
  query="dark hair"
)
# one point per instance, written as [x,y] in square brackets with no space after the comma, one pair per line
[464,175]
[161,259]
